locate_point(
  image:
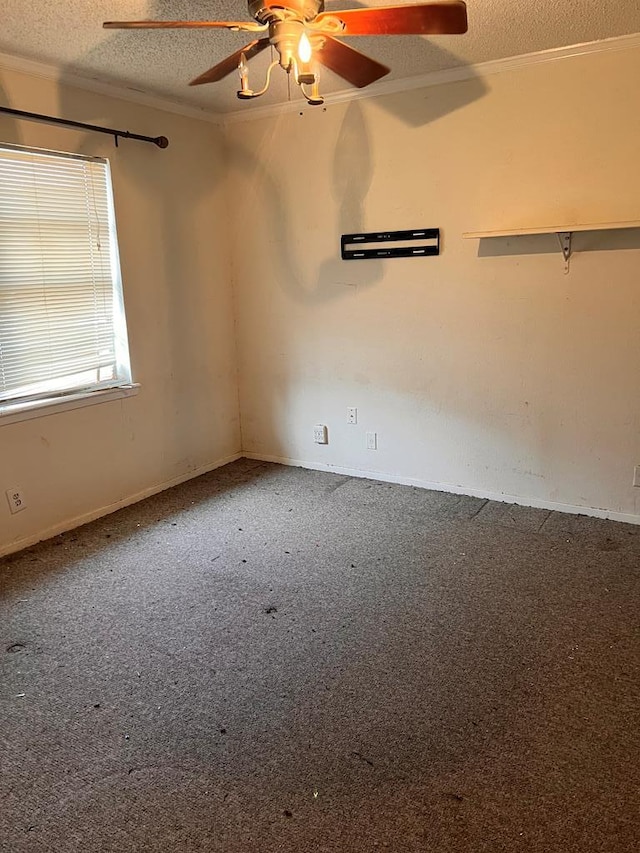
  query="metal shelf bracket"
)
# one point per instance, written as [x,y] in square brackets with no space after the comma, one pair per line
[564,238]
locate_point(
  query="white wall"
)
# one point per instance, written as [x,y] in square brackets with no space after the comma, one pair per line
[494,374]
[172,221]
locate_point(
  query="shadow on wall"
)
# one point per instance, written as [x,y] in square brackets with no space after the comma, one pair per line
[421,106]
[352,173]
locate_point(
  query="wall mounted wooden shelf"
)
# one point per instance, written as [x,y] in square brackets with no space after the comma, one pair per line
[563,232]
[552,229]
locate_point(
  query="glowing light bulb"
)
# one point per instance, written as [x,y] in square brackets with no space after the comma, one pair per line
[304,48]
[243,69]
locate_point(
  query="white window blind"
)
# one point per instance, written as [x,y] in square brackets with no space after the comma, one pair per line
[62,323]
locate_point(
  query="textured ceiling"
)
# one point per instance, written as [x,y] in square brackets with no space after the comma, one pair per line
[68,33]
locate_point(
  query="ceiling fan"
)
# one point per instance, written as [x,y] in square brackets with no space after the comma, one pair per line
[304,36]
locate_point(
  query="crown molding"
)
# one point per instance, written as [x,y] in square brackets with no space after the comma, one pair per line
[389,87]
[99,87]
[437,78]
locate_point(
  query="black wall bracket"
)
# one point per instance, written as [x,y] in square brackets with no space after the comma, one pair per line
[420,243]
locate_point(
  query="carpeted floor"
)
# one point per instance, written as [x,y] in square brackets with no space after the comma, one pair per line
[272,659]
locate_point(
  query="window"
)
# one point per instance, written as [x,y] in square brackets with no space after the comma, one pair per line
[62,322]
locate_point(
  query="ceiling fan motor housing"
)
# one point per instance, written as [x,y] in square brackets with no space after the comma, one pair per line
[285,37]
[267,11]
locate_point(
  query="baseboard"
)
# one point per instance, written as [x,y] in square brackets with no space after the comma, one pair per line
[595,512]
[85,518]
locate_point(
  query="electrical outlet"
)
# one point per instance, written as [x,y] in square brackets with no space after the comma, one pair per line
[17,500]
[320,434]
[372,441]
[636,476]
[352,415]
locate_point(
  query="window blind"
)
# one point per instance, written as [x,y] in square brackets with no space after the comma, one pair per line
[62,325]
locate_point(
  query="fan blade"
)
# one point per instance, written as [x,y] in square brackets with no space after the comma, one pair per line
[230,64]
[350,64]
[248,26]
[424,19]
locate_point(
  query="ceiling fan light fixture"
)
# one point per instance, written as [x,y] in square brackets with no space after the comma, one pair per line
[303,35]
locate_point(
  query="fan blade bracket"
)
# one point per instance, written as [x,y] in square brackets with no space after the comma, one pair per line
[326,24]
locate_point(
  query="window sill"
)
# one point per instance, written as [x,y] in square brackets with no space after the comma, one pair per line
[11,413]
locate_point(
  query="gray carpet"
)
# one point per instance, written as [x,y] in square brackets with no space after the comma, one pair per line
[273,659]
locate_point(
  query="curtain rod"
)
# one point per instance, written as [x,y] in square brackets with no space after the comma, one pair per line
[160,141]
